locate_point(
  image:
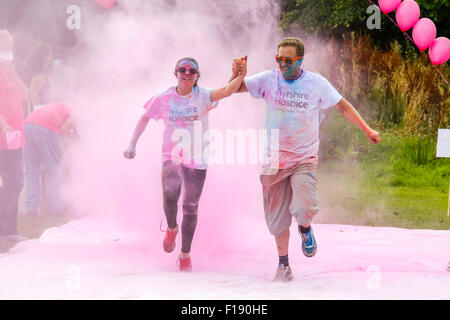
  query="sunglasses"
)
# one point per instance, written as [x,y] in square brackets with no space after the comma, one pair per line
[183,70]
[287,61]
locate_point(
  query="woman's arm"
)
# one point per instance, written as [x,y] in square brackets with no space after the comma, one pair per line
[236,67]
[130,152]
[232,86]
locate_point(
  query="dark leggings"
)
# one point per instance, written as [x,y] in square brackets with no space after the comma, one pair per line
[173,176]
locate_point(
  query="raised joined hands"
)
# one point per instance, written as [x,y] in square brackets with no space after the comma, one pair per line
[239,66]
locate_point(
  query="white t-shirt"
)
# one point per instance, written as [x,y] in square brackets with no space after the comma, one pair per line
[186,120]
[292,107]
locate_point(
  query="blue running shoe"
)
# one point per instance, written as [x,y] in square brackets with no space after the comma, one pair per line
[309,246]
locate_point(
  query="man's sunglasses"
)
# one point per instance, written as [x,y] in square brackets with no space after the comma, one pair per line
[183,70]
[287,61]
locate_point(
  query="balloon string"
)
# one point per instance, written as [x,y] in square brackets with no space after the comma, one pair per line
[404,32]
[441,75]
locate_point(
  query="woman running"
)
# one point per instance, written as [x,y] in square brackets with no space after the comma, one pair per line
[183,109]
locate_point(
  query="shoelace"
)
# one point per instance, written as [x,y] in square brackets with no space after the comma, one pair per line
[308,239]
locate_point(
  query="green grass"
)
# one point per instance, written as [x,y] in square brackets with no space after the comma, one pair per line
[398,183]
[358,200]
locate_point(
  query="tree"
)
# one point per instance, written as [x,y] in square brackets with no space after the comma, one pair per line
[335,18]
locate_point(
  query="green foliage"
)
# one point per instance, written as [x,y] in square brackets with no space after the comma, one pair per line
[338,17]
[438,11]
[396,161]
[398,182]
[387,89]
[322,16]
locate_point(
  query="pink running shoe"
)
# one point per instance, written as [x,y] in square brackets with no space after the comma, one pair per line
[169,239]
[184,263]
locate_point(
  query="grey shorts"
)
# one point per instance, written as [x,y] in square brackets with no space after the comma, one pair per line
[290,193]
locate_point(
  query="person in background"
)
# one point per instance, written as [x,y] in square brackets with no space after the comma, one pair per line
[12,93]
[43,130]
[37,68]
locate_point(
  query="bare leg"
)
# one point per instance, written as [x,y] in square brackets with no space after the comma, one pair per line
[282,241]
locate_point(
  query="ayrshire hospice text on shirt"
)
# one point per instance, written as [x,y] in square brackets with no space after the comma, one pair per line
[188,113]
[297,99]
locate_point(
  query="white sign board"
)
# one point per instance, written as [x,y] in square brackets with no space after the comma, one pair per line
[443,143]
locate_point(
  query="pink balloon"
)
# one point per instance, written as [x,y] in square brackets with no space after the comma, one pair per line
[106,3]
[387,6]
[424,33]
[407,14]
[439,51]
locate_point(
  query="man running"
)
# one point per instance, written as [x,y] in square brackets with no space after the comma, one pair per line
[294,97]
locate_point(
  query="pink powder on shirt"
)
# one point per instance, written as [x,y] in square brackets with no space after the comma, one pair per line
[10,109]
[51,116]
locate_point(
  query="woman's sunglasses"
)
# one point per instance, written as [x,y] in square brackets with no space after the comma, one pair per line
[287,61]
[183,70]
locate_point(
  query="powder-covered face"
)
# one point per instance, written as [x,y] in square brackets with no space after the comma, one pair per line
[187,79]
[292,71]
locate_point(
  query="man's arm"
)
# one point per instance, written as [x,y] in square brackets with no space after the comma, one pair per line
[68,127]
[350,113]
[242,88]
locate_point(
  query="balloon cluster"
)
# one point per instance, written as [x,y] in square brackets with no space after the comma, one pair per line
[424,31]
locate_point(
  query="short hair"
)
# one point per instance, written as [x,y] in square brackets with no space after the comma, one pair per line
[294,42]
[192,60]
